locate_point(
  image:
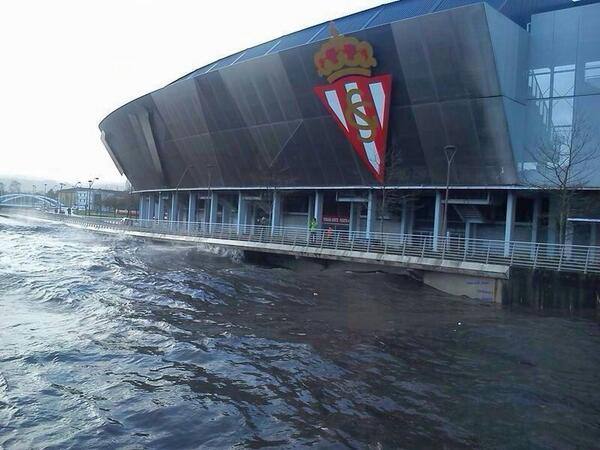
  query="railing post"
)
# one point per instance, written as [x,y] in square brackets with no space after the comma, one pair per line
[562,251]
[487,257]
[587,259]
[337,239]
[535,257]
[444,243]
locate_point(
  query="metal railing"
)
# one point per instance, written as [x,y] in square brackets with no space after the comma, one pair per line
[573,258]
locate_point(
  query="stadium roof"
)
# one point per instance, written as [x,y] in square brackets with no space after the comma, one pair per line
[520,11]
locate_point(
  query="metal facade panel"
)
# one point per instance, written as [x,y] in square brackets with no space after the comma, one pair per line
[260,123]
[405,9]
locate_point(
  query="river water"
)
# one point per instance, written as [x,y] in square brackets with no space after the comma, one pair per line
[114,342]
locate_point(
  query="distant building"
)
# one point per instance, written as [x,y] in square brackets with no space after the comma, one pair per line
[80,197]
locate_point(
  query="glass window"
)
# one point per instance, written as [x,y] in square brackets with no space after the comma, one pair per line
[539,83]
[592,73]
[564,81]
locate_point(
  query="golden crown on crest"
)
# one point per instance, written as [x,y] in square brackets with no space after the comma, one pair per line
[342,55]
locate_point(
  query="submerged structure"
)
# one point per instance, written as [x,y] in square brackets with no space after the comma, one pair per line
[363,124]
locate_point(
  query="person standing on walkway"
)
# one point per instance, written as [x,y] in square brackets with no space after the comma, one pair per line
[312,229]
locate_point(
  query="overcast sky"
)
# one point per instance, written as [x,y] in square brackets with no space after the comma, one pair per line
[66,64]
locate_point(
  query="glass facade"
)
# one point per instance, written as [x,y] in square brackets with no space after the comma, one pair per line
[564,92]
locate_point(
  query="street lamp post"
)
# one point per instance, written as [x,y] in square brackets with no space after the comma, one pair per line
[175,208]
[90,183]
[58,197]
[450,152]
[210,168]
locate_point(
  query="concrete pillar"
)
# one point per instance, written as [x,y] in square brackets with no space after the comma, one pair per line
[318,214]
[509,227]
[410,225]
[276,212]
[371,214]
[174,207]
[593,241]
[241,213]
[437,219]
[535,219]
[467,234]
[152,207]
[404,218]
[553,214]
[206,216]
[354,225]
[226,211]
[161,206]
[214,205]
[192,207]
[142,208]
[569,235]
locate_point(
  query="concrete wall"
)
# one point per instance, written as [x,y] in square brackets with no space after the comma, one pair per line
[548,289]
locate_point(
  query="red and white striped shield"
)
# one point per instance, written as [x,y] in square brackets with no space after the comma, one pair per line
[360,105]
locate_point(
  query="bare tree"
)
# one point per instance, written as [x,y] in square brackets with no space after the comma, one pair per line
[14,187]
[393,200]
[564,165]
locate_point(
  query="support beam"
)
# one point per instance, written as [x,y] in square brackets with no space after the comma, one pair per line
[371,214]
[509,226]
[192,208]
[206,216]
[319,209]
[354,225]
[535,219]
[214,206]
[467,235]
[161,207]
[225,210]
[276,211]
[241,213]
[174,207]
[437,219]
[569,235]
[142,211]
[410,225]
[553,219]
[404,218]
[152,205]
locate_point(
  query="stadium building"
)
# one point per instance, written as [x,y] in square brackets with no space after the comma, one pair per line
[363,122]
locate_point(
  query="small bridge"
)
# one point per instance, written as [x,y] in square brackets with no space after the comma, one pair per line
[24,200]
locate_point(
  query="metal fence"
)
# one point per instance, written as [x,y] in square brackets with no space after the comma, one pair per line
[574,258]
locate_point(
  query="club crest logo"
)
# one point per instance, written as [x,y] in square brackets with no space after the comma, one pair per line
[358,102]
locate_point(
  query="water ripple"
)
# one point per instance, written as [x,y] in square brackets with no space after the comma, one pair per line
[110,342]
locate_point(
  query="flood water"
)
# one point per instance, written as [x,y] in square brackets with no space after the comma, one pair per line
[114,342]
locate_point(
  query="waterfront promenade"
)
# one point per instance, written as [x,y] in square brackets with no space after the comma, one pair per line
[418,251]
